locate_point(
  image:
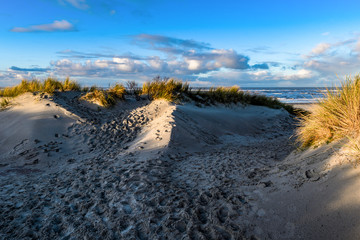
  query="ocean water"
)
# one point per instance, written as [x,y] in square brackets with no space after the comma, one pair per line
[291,95]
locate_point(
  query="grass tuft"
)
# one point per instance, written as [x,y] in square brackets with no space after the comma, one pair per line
[98,96]
[106,98]
[50,85]
[118,91]
[170,89]
[4,103]
[234,94]
[335,117]
[70,85]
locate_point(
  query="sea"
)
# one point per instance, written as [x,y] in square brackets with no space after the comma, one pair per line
[294,95]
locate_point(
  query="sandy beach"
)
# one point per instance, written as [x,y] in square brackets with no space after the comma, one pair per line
[70,169]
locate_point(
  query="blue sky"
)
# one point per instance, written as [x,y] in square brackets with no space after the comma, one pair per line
[228,42]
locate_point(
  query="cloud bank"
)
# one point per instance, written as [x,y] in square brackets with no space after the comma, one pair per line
[202,64]
[183,58]
[56,26]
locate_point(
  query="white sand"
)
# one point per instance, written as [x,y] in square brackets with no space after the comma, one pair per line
[157,170]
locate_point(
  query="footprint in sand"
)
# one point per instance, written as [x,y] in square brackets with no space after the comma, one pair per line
[222,214]
[126,207]
[201,215]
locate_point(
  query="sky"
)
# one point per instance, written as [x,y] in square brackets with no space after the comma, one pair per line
[207,43]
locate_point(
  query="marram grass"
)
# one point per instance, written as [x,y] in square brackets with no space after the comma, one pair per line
[175,90]
[106,98]
[50,85]
[4,103]
[171,89]
[335,117]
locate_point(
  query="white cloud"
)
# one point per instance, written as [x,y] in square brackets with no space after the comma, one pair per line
[206,64]
[157,64]
[343,59]
[101,64]
[230,59]
[261,73]
[329,62]
[80,4]
[298,75]
[56,26]
[11,77]
[357,46]
[320,48]
[193,64]
[312,64]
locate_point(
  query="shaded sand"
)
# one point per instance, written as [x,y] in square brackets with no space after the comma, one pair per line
[155,170]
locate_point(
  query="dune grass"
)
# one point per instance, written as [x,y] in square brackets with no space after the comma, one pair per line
[228,95]
[167,88]
[4,103]
[69,85]
[335,117]
[171,89]
[175,90]
[50,85]
[105,98]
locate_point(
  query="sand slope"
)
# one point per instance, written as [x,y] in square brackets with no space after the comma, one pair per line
[32,131]
[317,197]
[155,170]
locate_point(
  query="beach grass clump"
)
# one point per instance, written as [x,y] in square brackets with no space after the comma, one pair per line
[335,117]
[23,87]
[105,98]
[69,85]
[49,85]
[234,95]
[98,96]
[118,91]
[170,89]
[225,94]
[4,103]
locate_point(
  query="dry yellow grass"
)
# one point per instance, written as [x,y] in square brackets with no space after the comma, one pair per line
[105,98]
[335,117]
[170,89]
[50,85]
[4,102]
[175,90]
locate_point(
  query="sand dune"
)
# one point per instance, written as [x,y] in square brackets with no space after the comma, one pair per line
[156,170]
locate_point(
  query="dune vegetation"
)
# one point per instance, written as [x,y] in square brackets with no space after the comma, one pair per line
[166,88]
[50,85]
[4,102]
[335,117]
[171,89]
[105,98]
[175,90]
